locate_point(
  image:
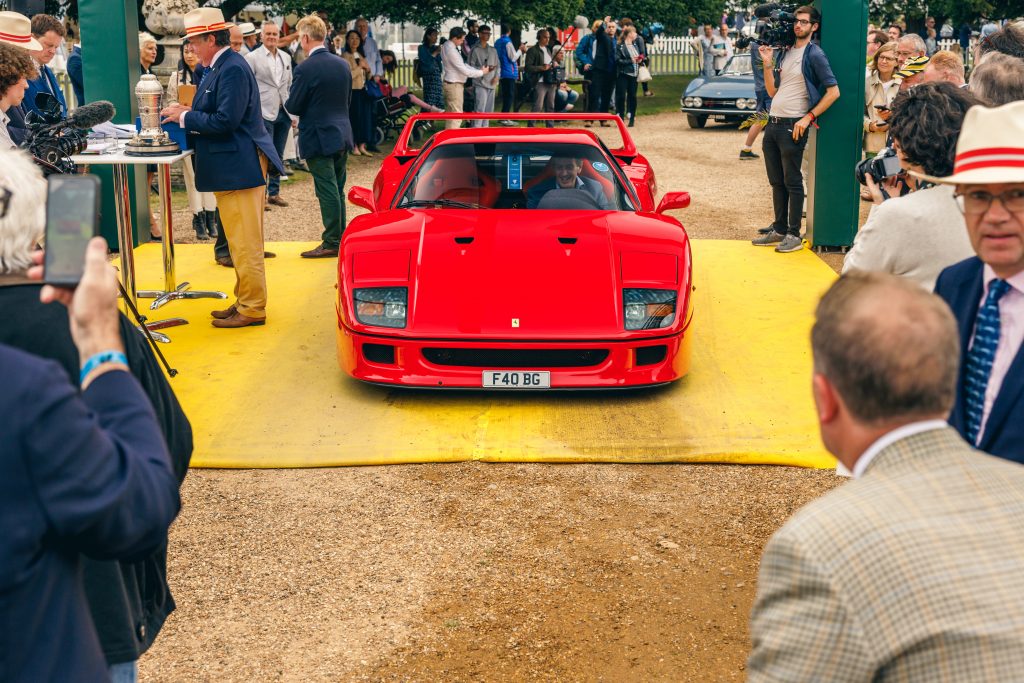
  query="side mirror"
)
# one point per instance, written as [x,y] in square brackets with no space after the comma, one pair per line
[362,196]
[674,200]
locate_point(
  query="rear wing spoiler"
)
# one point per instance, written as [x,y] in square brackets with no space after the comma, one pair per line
[402,148]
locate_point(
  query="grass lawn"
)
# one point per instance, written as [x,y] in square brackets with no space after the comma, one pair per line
[667,90]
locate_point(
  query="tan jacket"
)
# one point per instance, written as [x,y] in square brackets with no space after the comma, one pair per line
[914,572]
[877,92]
[358,74]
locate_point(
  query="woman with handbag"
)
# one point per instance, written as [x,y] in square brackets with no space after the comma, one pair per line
[644,71]
[540,69]
[627,63]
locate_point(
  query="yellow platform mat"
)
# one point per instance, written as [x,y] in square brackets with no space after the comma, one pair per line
[274,396]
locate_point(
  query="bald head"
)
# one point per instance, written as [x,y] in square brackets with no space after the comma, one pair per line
[236,38]
[889,348]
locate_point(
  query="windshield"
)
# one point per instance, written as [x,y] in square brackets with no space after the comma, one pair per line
[517,176]
[740,64]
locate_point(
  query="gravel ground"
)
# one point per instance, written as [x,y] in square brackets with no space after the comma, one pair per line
[474,571]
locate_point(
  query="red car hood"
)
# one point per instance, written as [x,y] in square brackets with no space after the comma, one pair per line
[512,274]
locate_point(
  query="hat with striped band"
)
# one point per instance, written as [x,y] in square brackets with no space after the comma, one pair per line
[205,20]
[16,30]
[914,65]
[990,149]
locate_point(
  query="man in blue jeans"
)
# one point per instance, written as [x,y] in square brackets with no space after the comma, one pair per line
[802,87]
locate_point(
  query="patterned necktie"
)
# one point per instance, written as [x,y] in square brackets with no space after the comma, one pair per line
[981,356]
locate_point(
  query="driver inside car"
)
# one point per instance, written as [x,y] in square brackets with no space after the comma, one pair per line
[567,177]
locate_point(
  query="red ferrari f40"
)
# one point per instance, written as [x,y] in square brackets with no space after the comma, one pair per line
[515,258]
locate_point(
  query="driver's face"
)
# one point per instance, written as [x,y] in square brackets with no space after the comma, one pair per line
[566,172]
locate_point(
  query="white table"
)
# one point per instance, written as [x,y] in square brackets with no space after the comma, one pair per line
[120,162]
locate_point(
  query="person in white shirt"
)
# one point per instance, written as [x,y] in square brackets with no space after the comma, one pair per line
[456,73]
[722,49]
[273,70]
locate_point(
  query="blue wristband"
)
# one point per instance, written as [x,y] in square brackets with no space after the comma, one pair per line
[99,359]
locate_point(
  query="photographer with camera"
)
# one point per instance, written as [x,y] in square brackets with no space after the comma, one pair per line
[16,68]
[802,87]
[917,235]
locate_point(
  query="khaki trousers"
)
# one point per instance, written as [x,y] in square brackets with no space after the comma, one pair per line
[241,213]
[453,99]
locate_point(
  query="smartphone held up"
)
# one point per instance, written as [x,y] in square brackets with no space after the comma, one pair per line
[72,219]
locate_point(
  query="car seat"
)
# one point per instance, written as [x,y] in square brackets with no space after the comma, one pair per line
[458,179]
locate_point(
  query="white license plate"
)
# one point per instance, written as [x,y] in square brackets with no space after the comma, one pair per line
[505,379]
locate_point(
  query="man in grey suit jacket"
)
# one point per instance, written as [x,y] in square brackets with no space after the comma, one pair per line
[914,571]
[273,70]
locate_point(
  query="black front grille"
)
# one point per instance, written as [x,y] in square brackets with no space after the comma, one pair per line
[715,104]
[517,358]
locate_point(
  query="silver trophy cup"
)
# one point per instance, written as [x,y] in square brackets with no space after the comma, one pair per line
[151,140]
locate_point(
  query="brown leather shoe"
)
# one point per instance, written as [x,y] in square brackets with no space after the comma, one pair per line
[320,252]
[226,313]
[276,200]
[266,207]
[269,254]
[226,262]
[238,320]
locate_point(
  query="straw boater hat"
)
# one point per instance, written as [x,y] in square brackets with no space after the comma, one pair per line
[16,30]
[205,20]
[990,148]
[248,29]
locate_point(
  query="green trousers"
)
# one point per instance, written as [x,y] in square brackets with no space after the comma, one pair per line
[329,184]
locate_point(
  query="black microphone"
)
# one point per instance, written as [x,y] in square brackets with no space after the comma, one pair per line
[764,11]
[91,115]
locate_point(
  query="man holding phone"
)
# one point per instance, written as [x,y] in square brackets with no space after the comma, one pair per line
[456,73]
[802,87]
[233,151]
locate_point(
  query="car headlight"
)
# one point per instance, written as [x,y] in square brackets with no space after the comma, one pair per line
[751,103]
[649,309]
[688,102]
[741,103]
[698,102]
[381,306]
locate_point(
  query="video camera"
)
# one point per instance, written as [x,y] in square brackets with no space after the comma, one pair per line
[777,22]
[54,139]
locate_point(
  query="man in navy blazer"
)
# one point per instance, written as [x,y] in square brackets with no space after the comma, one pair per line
[986,292]
[83,474]
[320,94]
[232,150]
[49,31]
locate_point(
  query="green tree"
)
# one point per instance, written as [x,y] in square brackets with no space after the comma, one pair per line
[676,15]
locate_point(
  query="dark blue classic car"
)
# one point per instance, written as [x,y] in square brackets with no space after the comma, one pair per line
[727,97]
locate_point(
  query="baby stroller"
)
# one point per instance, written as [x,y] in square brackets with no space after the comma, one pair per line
[389,115]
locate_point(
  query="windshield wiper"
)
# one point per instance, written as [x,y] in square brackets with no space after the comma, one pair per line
[413,203]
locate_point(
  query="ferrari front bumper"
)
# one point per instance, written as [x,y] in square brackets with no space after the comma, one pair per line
[451,364]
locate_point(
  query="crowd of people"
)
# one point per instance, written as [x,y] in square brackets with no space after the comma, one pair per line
[911,571]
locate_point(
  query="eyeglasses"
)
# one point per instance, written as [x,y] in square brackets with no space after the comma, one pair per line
[5,201]
[803,22]
[978,202]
